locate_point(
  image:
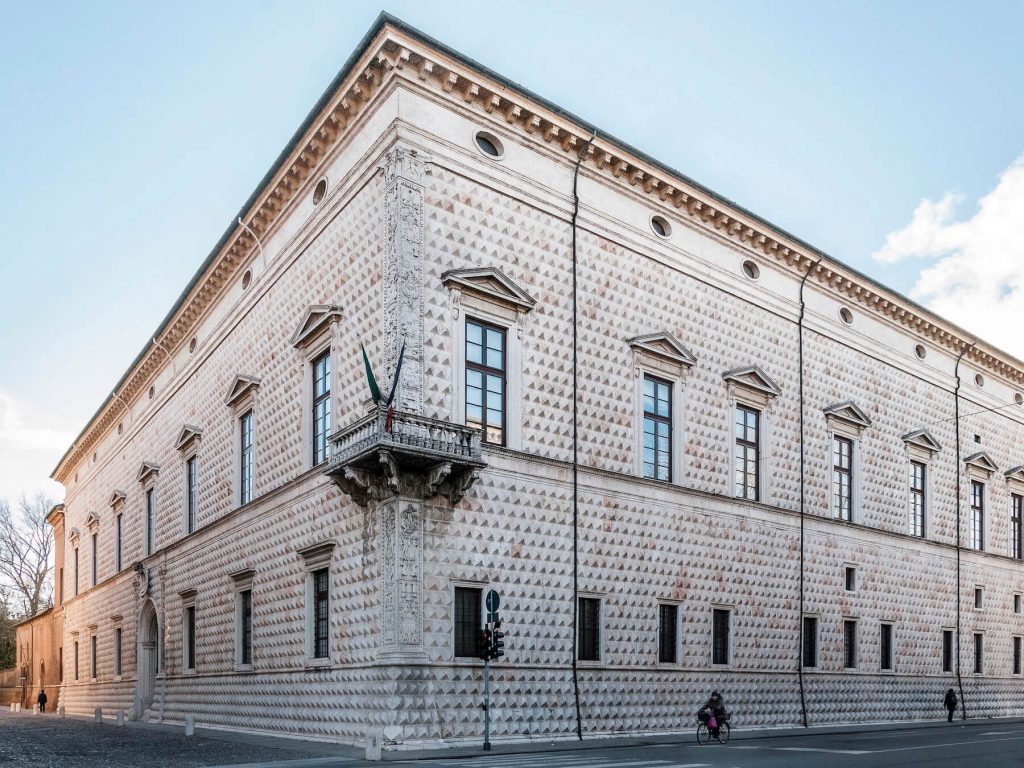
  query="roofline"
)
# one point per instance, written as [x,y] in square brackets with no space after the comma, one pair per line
[30,619]
[385,19]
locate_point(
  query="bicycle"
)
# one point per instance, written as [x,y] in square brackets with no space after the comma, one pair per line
[704,735]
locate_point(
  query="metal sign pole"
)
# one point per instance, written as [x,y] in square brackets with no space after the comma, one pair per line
[487,706]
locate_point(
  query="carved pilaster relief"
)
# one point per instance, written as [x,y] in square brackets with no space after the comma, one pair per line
[401,584]
[404,171]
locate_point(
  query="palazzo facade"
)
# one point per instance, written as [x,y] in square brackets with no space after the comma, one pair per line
[687,449]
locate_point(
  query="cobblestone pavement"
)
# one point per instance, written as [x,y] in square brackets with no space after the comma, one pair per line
[44,741]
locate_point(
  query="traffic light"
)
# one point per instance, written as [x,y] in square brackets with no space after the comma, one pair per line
[485,644]
[497,644]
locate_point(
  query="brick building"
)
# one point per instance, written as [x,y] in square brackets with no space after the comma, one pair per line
[782,479]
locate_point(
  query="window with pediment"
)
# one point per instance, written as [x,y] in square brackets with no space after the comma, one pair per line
[753,393]
[489,312]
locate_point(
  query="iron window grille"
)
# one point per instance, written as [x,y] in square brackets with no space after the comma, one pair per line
[117,543]
[668,617]
[245,599]
[321,606]
[95,559]
[979,653]
[190,637]
[809,641]
[117,651]
[720,620]
[589,641]
[885,648]
[850,644]
[947,650]
[467,621]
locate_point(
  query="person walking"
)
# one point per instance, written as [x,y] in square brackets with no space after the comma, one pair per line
[950,703]
[41,700]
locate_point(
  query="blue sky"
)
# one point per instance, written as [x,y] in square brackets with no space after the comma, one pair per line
[131,133]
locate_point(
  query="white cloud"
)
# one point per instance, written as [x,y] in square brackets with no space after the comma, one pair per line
[30,446]
[976,272]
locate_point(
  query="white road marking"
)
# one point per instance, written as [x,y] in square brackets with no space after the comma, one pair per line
[822,749]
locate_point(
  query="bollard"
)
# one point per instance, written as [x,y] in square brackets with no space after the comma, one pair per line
[98,715]
[190,725]
[17,707]
[60,713]
[120,717]
[12,706]
[374,739]
[35,710]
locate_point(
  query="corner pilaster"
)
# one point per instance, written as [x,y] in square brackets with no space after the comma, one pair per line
[404,172]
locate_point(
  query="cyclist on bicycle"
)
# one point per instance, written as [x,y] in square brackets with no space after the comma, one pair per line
[715,705]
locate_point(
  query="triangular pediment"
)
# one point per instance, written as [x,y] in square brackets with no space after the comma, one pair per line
[1015,473]
[981,461]
[316,318]
[74,535]
[923,439]
[241,386]
[93,522]
[752,377]
[849,412]
[146,471]
[490,283]
[663,345]
[117,497]
[188,435]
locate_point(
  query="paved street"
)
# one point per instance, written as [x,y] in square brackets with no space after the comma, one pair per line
[27,741]
[988,744]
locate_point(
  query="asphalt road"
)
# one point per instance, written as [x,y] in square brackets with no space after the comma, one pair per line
[28,741]
[976,744]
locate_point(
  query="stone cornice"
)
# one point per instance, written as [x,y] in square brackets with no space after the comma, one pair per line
[392,51]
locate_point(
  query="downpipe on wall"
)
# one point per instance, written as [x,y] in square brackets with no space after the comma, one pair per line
[575,440]
[959,491]
[803,496]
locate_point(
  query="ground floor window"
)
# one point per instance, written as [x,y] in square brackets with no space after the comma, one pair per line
[850,644]
[589,634]
[117,651]
[668,618]
[947,650]
[885,648]
[720,641]
[810,641]
[1016,655]
[979,653]
[467,621]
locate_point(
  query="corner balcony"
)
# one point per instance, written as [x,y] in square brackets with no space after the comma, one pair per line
[417,456]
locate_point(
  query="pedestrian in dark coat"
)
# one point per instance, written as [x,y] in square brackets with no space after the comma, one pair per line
[950,703]
[41,700]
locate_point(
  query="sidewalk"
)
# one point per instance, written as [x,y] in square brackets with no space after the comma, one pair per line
[686,737]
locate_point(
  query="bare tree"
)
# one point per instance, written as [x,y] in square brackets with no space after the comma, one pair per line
[26,546]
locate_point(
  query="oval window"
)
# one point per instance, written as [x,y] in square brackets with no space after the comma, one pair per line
[246,279]
[319,191]
[751,270]
[660,226]
[979,380]
[920,351]
[846,316]
[489,144]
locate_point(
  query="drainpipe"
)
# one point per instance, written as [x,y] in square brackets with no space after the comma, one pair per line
[575,442]
[803,495]
[956,401]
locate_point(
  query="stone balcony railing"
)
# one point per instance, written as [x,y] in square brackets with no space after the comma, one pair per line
[416,455]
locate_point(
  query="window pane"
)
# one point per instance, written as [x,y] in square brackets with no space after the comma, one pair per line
[589,622]
[720,637]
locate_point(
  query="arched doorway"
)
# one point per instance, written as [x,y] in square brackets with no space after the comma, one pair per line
[148,656]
